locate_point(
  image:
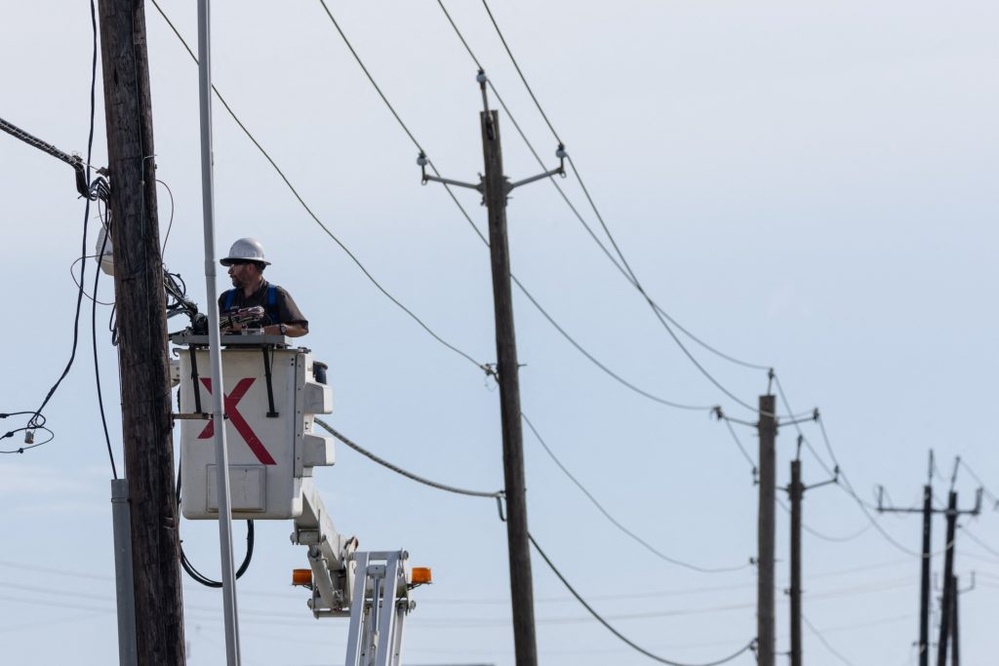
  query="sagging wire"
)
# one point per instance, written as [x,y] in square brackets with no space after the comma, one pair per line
[305,206]
[751,646]
[623,265]
[398,470]
[645,544]
[95,190]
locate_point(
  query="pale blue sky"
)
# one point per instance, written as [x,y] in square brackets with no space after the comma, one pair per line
[808,187]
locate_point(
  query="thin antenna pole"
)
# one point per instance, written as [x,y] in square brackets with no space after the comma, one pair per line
[214,343]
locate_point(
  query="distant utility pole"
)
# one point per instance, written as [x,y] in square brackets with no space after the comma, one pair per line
[949,602]
[142,348]
[495,188]
[955,652]
[766,533]
[924,577]
[956,592]
[924,590]
[796,491]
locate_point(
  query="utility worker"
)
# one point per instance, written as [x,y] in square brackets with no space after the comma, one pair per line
[246,264]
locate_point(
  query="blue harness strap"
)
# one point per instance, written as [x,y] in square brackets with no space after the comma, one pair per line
[271,307]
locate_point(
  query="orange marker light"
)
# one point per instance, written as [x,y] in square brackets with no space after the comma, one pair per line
[421,575]
[301,577]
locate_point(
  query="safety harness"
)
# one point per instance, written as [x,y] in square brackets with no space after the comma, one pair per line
[271,306]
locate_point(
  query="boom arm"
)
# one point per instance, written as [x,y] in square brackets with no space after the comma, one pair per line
[330,555]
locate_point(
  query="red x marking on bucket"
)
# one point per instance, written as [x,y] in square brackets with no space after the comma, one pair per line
[238,422]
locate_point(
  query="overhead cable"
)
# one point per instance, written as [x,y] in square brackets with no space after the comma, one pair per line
[801,434]
[37,420]
[822,639]
[826,537]
[454,198]
[403,472]
[981,484]
[617,523]
[749,646]
[629,274]
[309,210]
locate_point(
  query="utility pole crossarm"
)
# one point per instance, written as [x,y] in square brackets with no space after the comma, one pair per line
[507,186]
[547,174]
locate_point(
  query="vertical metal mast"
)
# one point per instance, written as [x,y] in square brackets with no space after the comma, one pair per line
[214,343]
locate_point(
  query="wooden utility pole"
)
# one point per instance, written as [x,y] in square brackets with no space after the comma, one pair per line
[948,575]
[924,576]
[955,641]
[497,187]
[142,347]
[948,605]
[924,592]
[796,490]
[766,534]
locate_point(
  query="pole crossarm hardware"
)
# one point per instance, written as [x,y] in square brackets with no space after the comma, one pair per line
[560,153]
[508,187]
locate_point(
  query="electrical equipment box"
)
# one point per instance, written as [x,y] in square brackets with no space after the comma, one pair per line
[271,395]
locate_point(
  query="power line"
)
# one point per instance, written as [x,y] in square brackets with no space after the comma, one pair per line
[971,535]
[738,442]
[848,488]
[97,271]
[981,484]
[617,523]
[606,369]
[520,285]
[623,266]
[750,646]
[37,420]
[309,210]
[801,434]
[368,74]
[519,72]
[822,639]
[399,470]
[825,537]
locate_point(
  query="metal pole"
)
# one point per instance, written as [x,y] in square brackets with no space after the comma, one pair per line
[214,343]
[496,189]
[124,583]
[796,494]
[766,532]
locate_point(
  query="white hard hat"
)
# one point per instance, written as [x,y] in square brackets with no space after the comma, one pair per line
[245,249]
